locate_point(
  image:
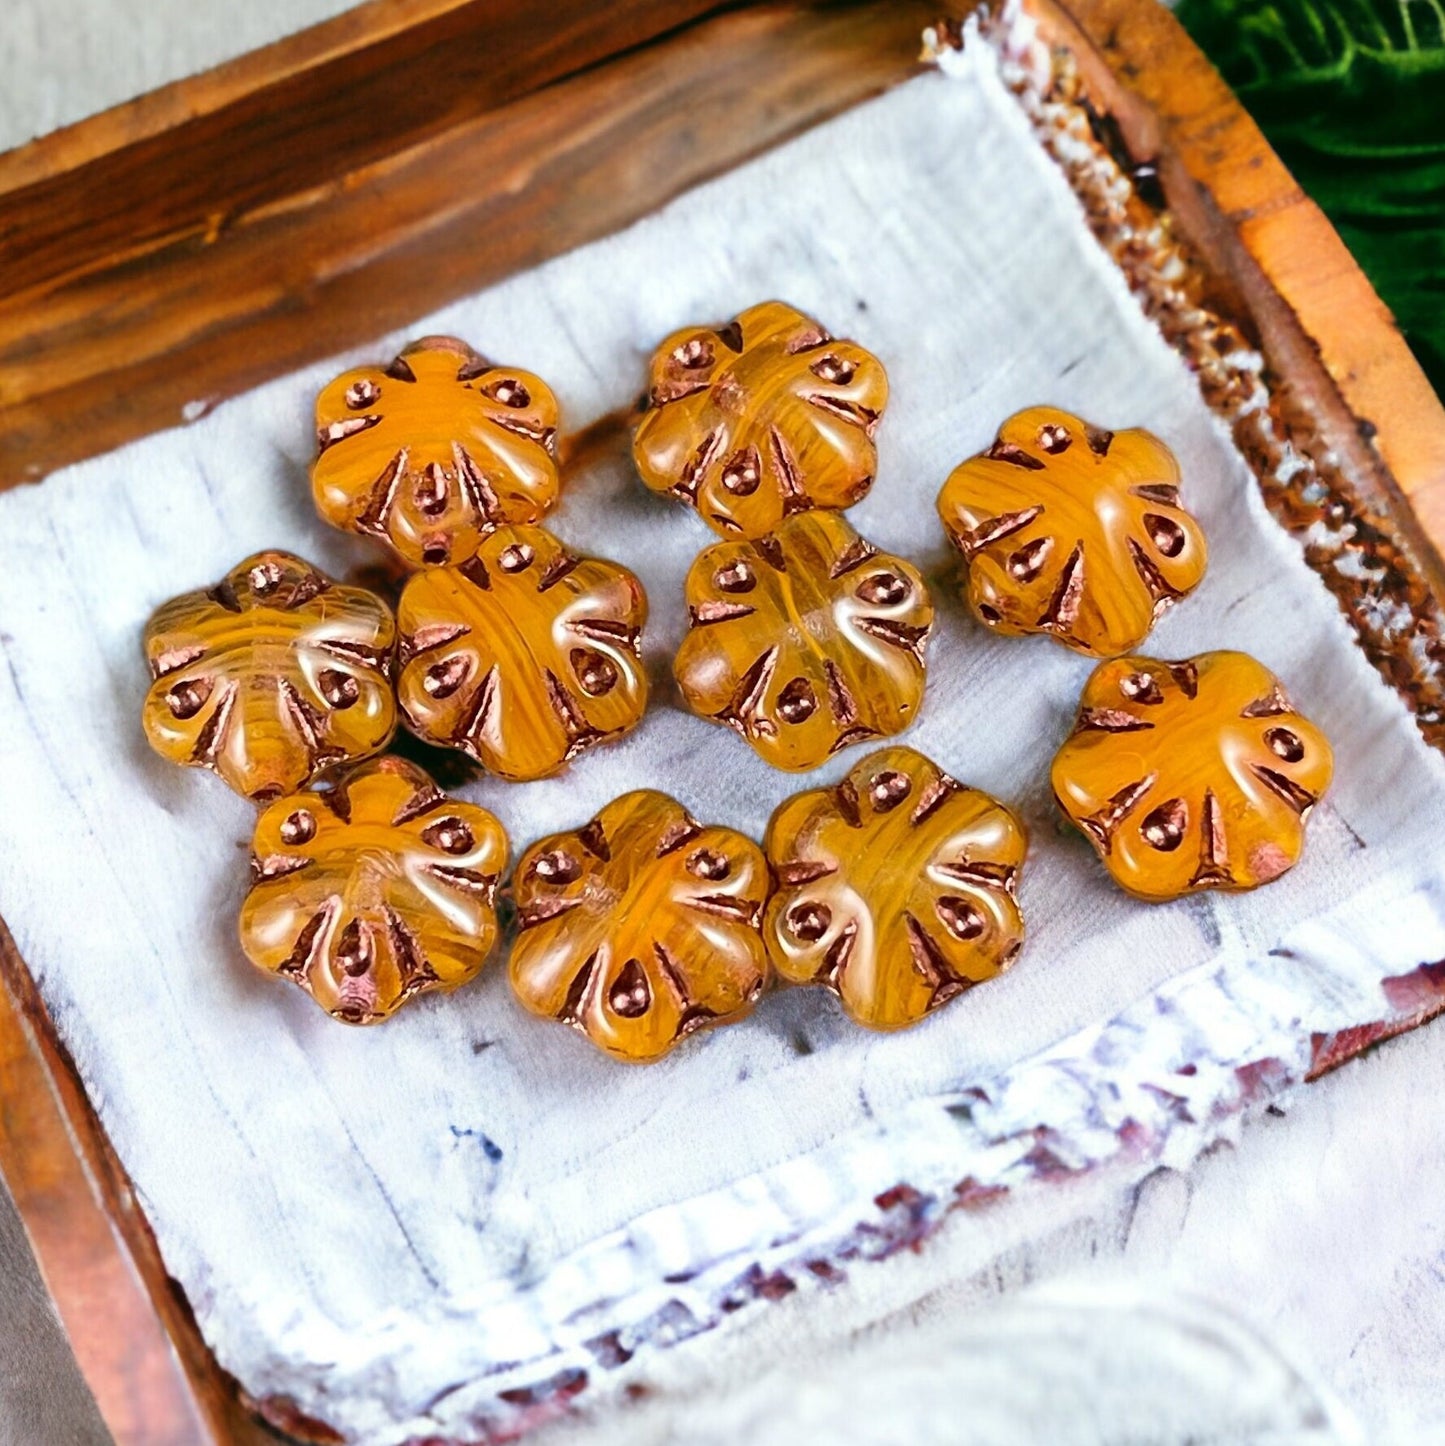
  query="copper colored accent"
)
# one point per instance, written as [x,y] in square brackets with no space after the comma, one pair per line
[797,701]
[1103,823]
[884,589]
[641,927]
[451,835]
[1054,438]
[1192,785]
[298,828]
[516,558]
[523,656]
[1270,706]
[271,677]
[887,789]
[1214,871]
[1140,688]
[449,448]
[1164,828]
[735,577]
[961,918]
[808,922]
[1112,720]
[895,889]
[630,995]
[595,673]
[709,864]
[1087,543]
[386,891]
[993,529]
[557,867]
[821,648]
[753,422]
[1284,744]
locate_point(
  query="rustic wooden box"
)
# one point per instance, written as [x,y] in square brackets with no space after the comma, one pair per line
[186,246]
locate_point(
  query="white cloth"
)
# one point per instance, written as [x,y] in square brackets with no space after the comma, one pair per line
[389,1226]
[62,60]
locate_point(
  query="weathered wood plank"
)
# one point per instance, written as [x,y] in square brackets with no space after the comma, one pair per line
[193,158]
[166,325]
[153,1379]
[1326,334]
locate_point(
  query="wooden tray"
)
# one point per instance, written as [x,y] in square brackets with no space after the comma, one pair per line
[183,248]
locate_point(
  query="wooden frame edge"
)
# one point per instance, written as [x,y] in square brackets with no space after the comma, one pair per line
[1305,297]
[164,328]
[188,160]
[153,1378]
[162,109]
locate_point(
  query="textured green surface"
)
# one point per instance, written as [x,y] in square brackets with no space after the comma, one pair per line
[1351,93]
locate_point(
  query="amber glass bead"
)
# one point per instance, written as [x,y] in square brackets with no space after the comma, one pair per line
[374,891]
[1072,531]
[433,451]
[1193,775]
[806,641]
[895,889]
[641,927]
[523,656]
[271,676]
[761,418]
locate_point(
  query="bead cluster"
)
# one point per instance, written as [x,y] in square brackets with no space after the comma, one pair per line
[803,636]
[896,888]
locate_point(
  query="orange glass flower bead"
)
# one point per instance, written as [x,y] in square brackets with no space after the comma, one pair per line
[432,452]
[1072,531]
[895,889]
[806,641]
[373,892]
[641,927]
[1193,775]
[761,418]
[272,676]
[524,655]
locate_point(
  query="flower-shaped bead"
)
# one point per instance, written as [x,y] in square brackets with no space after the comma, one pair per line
[641,927]
[432,452]
[761,418]
[895,889]
[1072,531]
[1193,775]
[805,641]
[374,891]
[272,676]
[524,655]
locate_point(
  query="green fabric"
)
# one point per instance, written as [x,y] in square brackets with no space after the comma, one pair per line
[1351,93]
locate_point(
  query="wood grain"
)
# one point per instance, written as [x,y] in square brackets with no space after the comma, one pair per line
[160,111]
[1328,338]
[170,321]
[190,161]
[133,1336]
